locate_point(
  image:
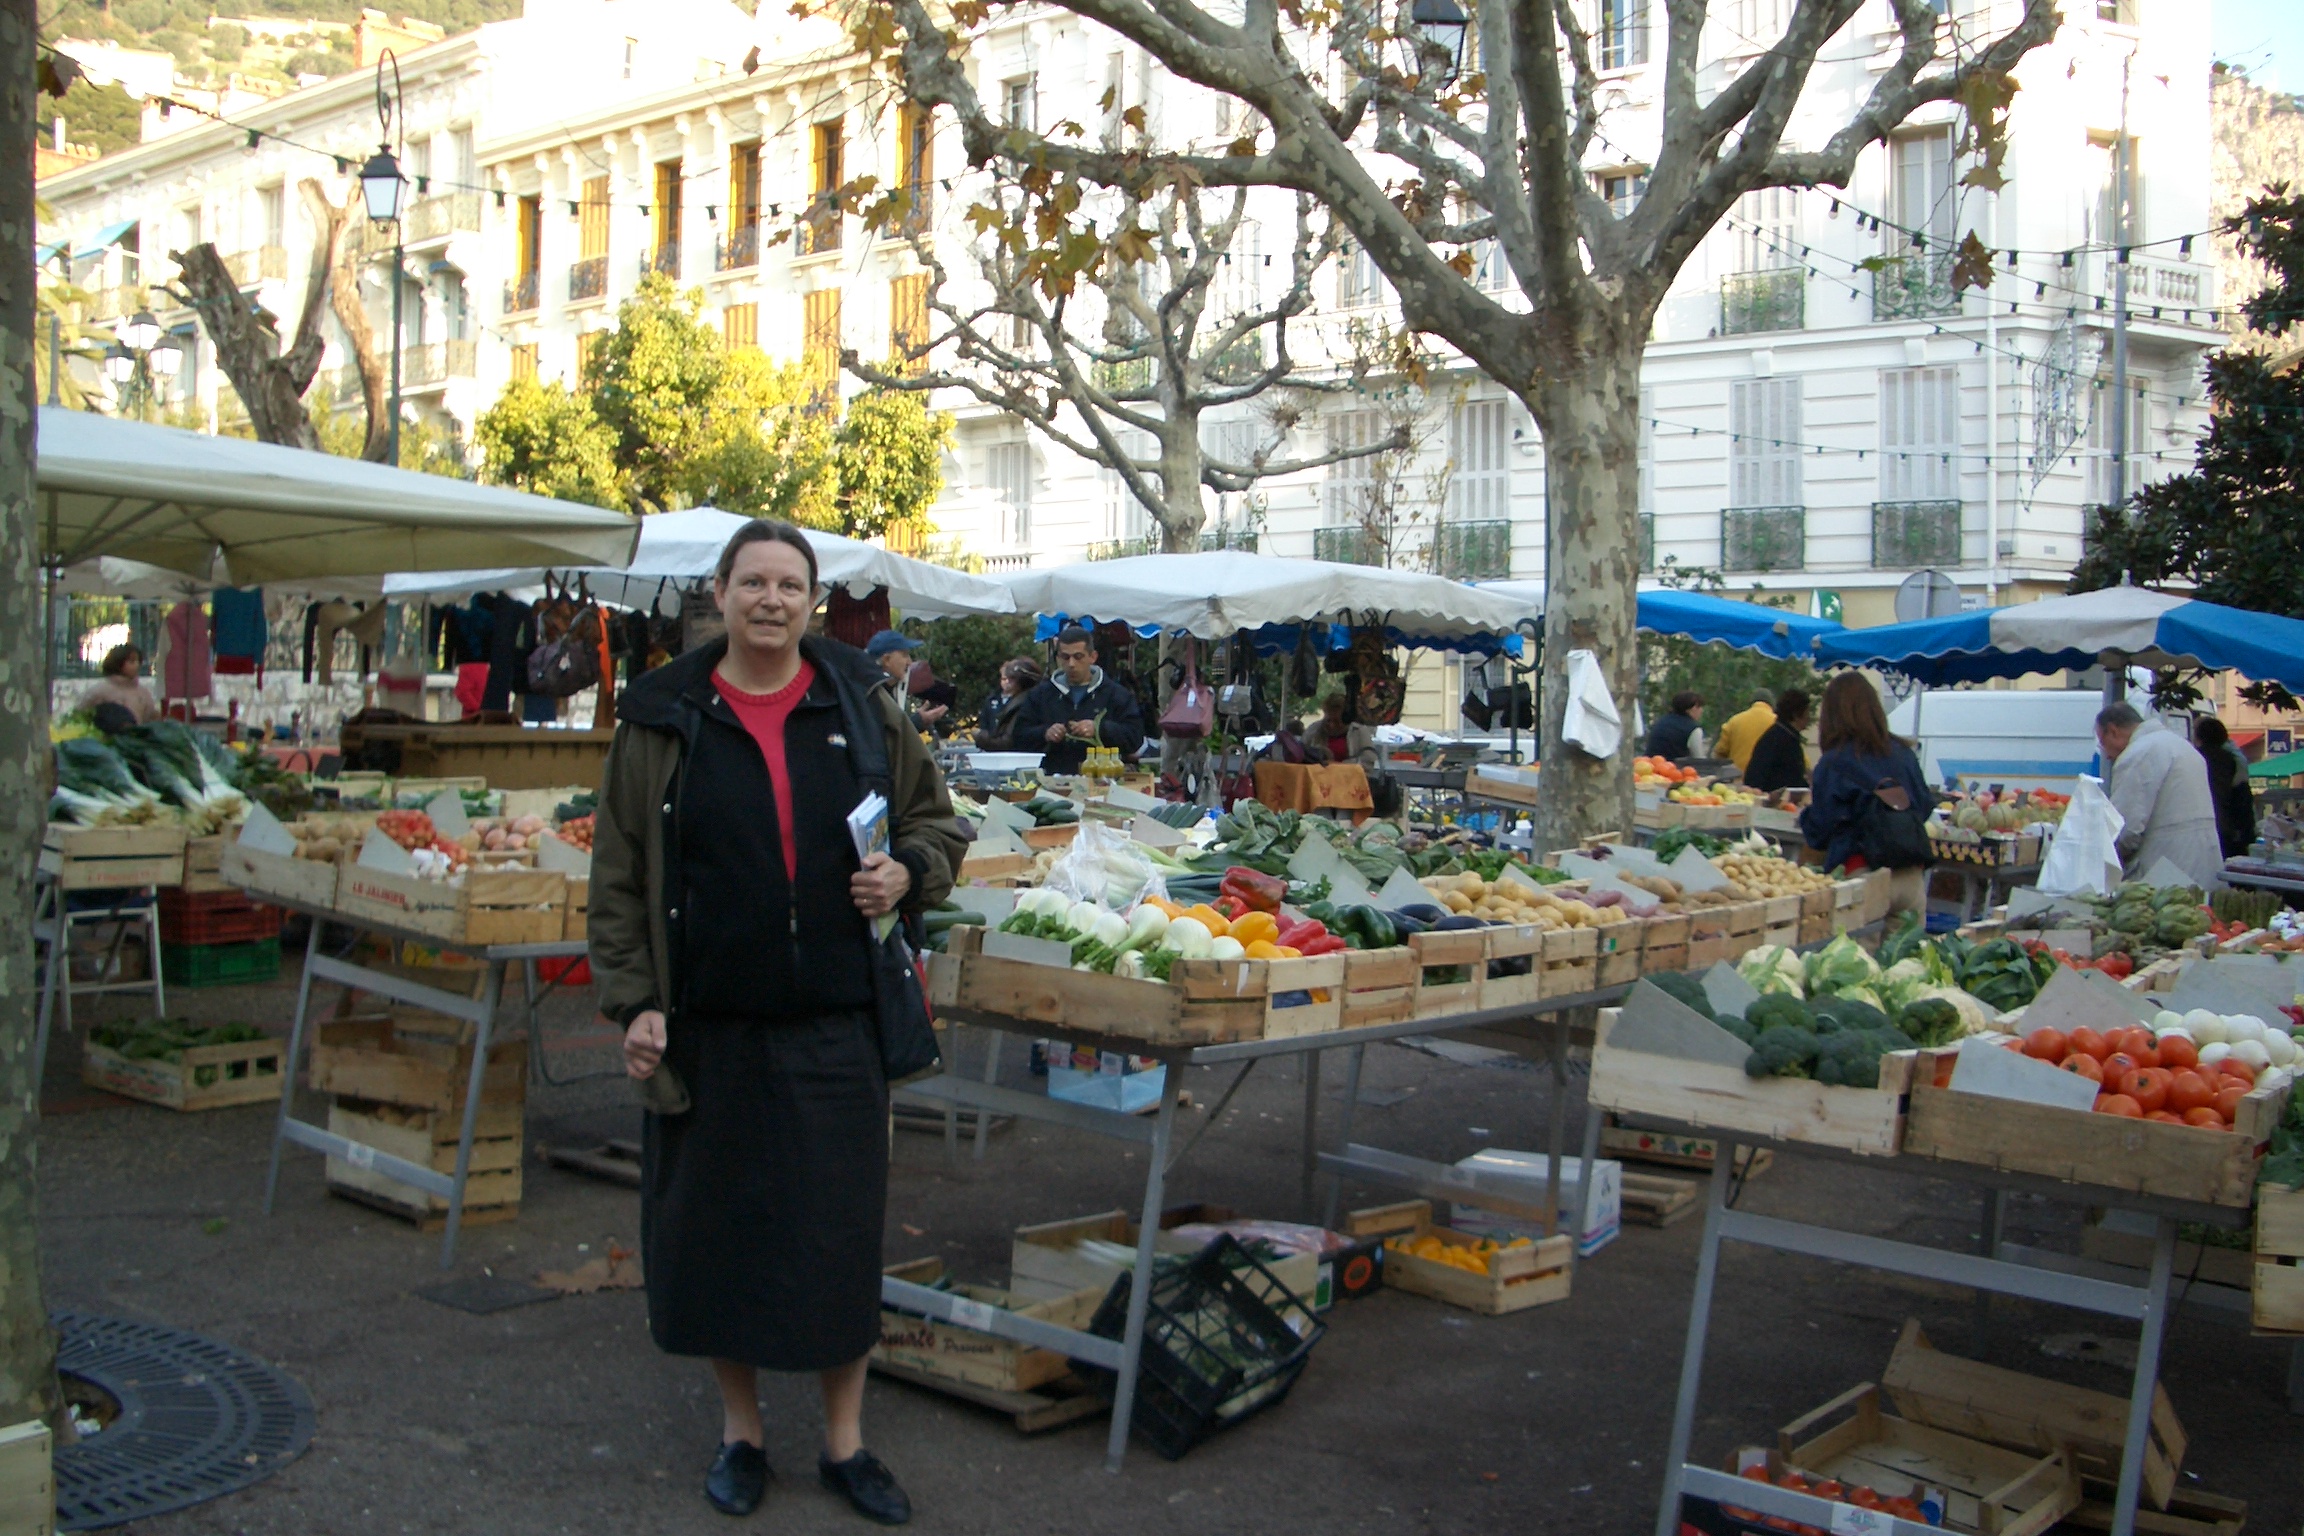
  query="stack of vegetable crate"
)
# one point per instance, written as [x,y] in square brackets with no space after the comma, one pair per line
[399,1084]
[217,938]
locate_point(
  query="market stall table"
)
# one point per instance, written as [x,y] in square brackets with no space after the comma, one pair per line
[480,1012]
[1314,787]
[2257,875]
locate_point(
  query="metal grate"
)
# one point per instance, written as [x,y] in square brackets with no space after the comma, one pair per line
[1916,287]
[197,1420]
[1907,535]
[1773,300]
[1763,538]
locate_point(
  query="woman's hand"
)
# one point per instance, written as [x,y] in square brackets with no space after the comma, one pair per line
[877,888]
[644,1045]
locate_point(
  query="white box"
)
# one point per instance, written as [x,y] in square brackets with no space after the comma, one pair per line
[1530,1168]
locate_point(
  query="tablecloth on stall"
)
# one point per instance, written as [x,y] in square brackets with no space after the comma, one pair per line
[1313,787]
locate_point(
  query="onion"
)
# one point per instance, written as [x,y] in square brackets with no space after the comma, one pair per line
[2166,1018]
[2280,1047]
[2252,1053]
[2242,1027]
[2212,1054]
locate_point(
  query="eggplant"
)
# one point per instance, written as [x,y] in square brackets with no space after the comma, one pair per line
[1458,922]
[1423,911]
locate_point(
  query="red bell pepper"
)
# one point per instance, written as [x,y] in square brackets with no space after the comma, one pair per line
[1254,888]
[1294,934]
[1326,944]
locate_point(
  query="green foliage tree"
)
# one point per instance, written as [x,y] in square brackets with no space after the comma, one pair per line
[2233,528]
[539,438]
[968,653]
[424,447]
[657,382]
[104,117]
[1726,676]
[887,461]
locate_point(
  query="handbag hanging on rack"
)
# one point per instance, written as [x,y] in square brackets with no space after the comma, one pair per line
[568,662]
[1191,708]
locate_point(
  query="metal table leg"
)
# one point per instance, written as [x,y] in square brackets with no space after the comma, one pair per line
[1344,1133]
[2147,1377]
[492,993]
[1140,1285]
[289,1069]
[1555,1147]
[952,1106]
[1699,1323]
[992,1043]
[152,953]
[1311,1168]
[1588,1192]
[48,902]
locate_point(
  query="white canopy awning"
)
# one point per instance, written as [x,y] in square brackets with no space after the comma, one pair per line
[180,499]
[1213,594]
[679,547]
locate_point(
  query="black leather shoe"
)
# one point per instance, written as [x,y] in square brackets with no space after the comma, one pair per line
[867,1485]
[738,1480]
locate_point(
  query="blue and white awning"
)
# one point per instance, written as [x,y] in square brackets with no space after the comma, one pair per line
[2125,624]
[103,240]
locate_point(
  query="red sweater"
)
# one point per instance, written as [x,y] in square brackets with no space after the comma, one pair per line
[764,715]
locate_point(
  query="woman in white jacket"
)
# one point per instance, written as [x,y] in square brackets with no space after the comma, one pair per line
[2159,785]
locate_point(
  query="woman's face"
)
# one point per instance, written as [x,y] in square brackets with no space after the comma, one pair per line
[767,598]
[131,667]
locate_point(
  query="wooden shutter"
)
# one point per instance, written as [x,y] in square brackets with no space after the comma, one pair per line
[592,220]
[740,325]
[908,319]
[820,335]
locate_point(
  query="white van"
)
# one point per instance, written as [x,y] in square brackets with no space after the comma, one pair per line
[2039,739]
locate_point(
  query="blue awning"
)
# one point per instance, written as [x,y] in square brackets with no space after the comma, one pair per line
[1776,632]
[105,238]
[1282,639]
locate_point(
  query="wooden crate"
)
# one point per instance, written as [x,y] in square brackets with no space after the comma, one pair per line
[1782,911]
[1051,837]
[1304,996]
[1571,961]
[204,866]
[488,906]
[427,790]
[1658,958]
[2028,1413]
[1489,787]
[2189,1513]
[205,1077]
[27,1480]
[1445,953]
[1517,1278]
[1379,986]
[392,1061]
[2144,1157]
[1989,1490]
[306,882]
[1623,953]
[1713,1096]
[1518,949]
[427,1138]
[2279,1280]
[2233,1267]
[945,1351]
[992,868]
[108,858]
[1045,1262]
[1114,1007]
[1673,1150]
[576,924]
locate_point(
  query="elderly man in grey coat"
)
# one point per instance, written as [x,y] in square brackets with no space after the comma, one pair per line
[2159,785]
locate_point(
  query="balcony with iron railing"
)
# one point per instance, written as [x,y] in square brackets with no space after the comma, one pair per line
[1773,300]
[2159,287]
[1763,538]
[1222,536]
[520,294]
[665,259]
[1914,287]
[1348,544]
[251,267]
[738,249]
[1473,549]
[587,279]
[431,363]
[1911,535]
[115,302]
[441,215]
[819,228]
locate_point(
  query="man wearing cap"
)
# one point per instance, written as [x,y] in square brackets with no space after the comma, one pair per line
[893,654]
[1076,708]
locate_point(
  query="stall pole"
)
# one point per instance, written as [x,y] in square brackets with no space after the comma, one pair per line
[1140,1284]
[1699,1322]
[2147,1376]
[295,1055]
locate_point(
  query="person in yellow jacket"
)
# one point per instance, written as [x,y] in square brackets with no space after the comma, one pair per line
[1739,734]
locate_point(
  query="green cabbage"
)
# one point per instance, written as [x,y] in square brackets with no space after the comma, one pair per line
[1838,966]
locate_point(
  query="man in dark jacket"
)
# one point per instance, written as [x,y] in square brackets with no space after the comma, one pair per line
[1077,708]
[1669,736]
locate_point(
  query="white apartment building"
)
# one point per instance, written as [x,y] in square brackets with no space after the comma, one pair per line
[1825,414]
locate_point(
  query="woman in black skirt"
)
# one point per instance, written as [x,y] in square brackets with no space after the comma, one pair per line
[731,939]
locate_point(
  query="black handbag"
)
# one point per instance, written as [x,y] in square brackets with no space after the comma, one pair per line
[908,1045]
[1892,832]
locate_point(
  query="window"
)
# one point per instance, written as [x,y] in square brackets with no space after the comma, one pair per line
[1920,434]
[272,209]
[420,160]
[2101,490]
[1623,33]
[820,336]
[1234,442]
[908,319]
[916,163]
[1767,229]
[1647,454]
[1920,191]
[524,363]
[1349,494]
[631,55]
[740,326]
[463,166]
[1479,444]
[455,307]
[1758,23]
[1622,190]
[592,220]
[528,233]
[2120,13]
[2116,209]
[1357,280]
[1020,103]
[1238,284]
[188,227]
[744,185]
[1125,518]
[1764,443]
[587,348]
[665,247]
[1008,470]
[821,230]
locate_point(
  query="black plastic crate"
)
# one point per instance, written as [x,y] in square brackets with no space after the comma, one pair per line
[1215,1351]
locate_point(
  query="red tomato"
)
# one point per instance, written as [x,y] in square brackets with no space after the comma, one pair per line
[1827,1489]
[1758,1472]
[2046,1044]
[2118,1065]
[2119,1104]
[2189,1091]
[2165,1118]
[1863,1497]
[2083,1066]
[2086,1042]
[2238,1070]
[2205,1116]
[2145,1086]
[2132,1039]
[2228,1101]
[2176,1052]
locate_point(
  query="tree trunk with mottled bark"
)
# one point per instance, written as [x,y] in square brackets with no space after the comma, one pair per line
[270,382]
[27,1348]
[352,314]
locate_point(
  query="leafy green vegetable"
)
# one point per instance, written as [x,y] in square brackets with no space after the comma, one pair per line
[1773,968]
[1671,840]
[1839,965]
[1903,941]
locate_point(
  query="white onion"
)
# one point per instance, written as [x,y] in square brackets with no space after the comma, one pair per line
[2212,1054]
[2208,1034]
[2243,1026]
[2252,1053]
[2280,1047]
[2166,1018]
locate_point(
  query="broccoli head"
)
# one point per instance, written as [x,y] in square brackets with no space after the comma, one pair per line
[1683,988]
[1931,1021]
[1780,1008]
[1782,1050]
[1847,1013]
[1851,1058]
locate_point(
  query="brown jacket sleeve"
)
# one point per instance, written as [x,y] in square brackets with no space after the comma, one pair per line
[924,834]
[619,925]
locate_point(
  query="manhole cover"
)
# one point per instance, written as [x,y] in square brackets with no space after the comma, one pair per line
[197,1419]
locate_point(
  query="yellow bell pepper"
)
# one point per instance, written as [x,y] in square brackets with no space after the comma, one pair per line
[1249,927]
[1218,924]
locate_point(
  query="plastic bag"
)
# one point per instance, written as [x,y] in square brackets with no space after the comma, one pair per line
[1104,866]
[1591,724]
[2085,855]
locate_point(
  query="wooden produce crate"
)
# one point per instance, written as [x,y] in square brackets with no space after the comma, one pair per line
[2028,1413]
[1448,970]
[1304,996]
[1664,943]
[488,906]
[1669,1149]
[204,866]
[1088,1002]
[109,858]
[27,1480]
[2189,1513]
[1491,787]
[426,790]
[1514,971]
[1848,902]
[1045,1261]
[307,882]
[1878,890]
[1622,953]
[1571,961]
[2279,1280]
[2144,1157]
[993,868]
[1517,1279]
[427,1138]
[393,1060]
[1051,837]
[1708,942]
[576,924]
[2198,1264]
[1712,1095]
[203,1077]
[946,1352]
[1379,986]
[1989,1490]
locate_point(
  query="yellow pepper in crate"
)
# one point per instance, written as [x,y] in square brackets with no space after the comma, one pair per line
[1473,1258]
[1249,927]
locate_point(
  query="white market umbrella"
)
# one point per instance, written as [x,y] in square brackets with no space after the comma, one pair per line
[1212,594]
[676,548]
[182,500]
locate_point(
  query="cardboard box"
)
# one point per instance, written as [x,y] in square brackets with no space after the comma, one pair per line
[949,1352]
[1607,1216]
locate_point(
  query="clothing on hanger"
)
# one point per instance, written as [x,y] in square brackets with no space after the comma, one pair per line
[511,638]
[186,671]
[324,621]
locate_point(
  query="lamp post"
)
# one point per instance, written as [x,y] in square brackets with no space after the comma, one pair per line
[142,349]
[1440,27]
[381,188]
